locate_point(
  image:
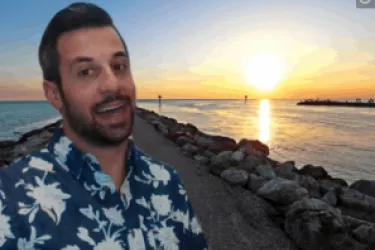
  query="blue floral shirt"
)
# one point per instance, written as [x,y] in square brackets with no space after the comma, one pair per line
[58,198]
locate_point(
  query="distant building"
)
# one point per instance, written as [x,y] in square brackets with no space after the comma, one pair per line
[358,100]
[371,101]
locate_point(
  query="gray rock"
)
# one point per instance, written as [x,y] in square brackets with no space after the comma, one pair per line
[365,233]
[203,141]
[250,163]
[310,184]
[286,170]
[235,176]
[182,140]
[237,157]
[222,158]
[316,172]
[312,223]
[282,192]
[330,198]
[162,128]
[352,223]
[201,159]
[255,182]
[364,186]
[209,154]
[356,200]
[189,150]
[327,185]
[220,162]
[266,171]
[344,242]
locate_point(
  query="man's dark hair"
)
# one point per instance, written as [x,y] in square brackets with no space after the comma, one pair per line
[75,16]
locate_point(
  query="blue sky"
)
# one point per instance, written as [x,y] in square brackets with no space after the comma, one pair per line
[167,38]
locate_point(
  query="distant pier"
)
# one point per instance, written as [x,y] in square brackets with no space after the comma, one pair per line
[358,103]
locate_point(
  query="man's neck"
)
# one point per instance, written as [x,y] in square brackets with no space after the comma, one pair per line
[112,159]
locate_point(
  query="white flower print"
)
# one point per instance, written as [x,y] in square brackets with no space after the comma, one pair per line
[161,203]
[110,238]
[136,240]
[195,226]
[109,244]
[41,164]
[157,174]
[160,173]
[48,197]
[69,247]
[24,244]
[181,217]
[62,149]
[5,230]
[126,194]
[151,239]
[114,216]
[167,238]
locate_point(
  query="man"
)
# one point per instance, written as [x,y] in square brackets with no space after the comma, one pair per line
[91,188]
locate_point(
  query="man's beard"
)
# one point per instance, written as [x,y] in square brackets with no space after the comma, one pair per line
[92,132]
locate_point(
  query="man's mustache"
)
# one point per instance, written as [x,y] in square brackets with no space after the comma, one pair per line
[112,98]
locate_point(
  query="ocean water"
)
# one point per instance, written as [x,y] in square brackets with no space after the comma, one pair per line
[340,139]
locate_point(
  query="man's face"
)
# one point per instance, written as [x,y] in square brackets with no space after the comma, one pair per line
[98,91]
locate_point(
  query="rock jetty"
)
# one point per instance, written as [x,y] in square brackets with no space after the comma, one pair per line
[314,209]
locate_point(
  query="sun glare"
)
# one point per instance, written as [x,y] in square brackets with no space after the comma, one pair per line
[264,71]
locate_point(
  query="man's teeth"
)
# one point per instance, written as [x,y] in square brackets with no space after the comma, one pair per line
[110,109]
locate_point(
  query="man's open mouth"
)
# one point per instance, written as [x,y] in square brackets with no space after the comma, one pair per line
[112,109]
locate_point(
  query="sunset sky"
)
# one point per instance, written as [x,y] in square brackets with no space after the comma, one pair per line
[202,48]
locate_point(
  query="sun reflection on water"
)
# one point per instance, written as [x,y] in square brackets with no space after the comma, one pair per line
[264,121]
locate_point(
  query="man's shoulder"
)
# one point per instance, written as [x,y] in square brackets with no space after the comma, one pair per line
[157,168]
[38,159]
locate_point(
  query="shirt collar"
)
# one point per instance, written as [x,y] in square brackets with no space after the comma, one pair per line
[73,159]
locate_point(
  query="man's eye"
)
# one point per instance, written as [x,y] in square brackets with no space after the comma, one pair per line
[85,72]
[119,67]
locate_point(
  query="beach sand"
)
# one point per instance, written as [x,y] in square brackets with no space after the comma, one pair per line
[232,218]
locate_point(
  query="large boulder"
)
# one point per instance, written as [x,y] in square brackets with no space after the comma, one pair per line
[220,162]
[250,163]
[222,143]
[237,157]
[364,186]
[282,192]
[190,129]
[366,234]
[235,176]
[316,172]
[327,185]
[356,200]
[189,150]
[182,140]
[266,171]
[310,184]
[249,146]
[255,182]
[286,170]
[312,223]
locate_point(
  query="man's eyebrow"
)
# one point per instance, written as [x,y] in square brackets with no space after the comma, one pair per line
[121,54]
[82,59]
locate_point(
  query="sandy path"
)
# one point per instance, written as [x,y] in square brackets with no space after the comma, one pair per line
[232,218]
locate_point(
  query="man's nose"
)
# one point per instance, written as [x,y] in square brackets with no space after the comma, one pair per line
[108,81]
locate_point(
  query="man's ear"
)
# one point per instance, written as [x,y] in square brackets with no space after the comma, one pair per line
[52,94]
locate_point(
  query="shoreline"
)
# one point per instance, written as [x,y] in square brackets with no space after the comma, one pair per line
[245,199]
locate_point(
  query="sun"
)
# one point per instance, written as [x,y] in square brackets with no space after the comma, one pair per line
[264,71]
